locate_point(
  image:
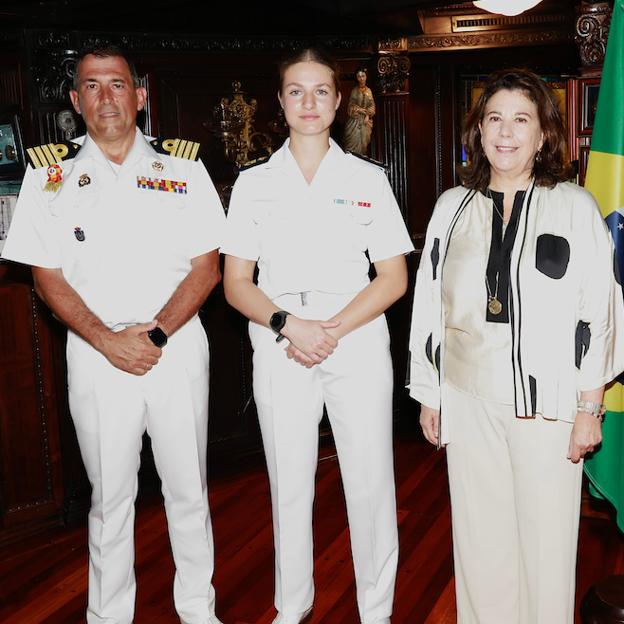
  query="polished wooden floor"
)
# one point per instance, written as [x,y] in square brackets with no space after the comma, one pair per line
[44,580]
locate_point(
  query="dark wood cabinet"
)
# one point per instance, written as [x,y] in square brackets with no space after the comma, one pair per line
[31,480]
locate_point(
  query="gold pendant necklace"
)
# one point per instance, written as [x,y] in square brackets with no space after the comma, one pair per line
[494,305]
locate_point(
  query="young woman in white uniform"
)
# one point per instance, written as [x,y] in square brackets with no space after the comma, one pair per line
[307,217]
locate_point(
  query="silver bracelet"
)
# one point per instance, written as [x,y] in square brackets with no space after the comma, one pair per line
[597,410]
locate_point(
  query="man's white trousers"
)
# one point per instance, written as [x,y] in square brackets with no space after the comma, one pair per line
[111,410]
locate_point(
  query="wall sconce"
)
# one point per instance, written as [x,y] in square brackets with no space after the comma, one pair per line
[506,7]
[233,122]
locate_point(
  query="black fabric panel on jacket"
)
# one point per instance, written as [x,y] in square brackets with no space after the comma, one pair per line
[582,340]
[435,257]
[429,348]
[552,255]
[533,389]
[499,259]
[616,268]
[437,358]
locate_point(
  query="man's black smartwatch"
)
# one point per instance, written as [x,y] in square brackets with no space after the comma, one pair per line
[158,337]
[277,322]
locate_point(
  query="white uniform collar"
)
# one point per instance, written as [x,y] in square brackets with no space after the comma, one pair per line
[140,149]
[283,155]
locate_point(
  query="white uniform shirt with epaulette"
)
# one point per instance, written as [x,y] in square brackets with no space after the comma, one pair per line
[124,235]
[314,237]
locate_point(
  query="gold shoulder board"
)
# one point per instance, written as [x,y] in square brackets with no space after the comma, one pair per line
[51,153]
[180,148]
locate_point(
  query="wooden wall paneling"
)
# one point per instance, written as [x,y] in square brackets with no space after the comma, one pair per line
[10,87]
[30,479]
[573,111]
[392,145]
[391,131]
[425,151]
[232,423]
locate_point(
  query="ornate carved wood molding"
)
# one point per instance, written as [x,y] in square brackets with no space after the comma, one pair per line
[54,74]
[463,26]
[424,43]
[54,51]
[592,30]
[154,42]
[393,72]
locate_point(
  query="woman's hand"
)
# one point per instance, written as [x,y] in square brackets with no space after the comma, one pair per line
[310,338]
[430,423]
[586,435]
[292,353]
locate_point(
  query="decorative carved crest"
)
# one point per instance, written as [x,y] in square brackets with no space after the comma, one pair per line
[393,71]
[54,75]
[592,30]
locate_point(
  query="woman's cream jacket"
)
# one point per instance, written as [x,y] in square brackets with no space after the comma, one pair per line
[566,304]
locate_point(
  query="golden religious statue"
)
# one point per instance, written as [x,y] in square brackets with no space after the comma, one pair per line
[360,111]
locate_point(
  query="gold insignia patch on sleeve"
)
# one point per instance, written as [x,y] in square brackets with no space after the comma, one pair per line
[180,148]
[50,154]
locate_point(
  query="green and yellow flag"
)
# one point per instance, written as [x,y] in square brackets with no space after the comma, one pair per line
[605,180]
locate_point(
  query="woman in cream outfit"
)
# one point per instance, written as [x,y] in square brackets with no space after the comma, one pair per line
[517,327]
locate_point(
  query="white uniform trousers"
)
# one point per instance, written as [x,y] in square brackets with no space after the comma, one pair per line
[355,383]
[515,501]
[111,410]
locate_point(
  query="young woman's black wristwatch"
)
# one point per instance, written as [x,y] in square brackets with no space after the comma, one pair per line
[277,322]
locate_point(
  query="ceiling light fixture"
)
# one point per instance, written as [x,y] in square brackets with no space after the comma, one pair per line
[506,7]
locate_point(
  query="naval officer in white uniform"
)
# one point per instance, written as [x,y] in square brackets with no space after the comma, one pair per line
[123,238]
[307,218]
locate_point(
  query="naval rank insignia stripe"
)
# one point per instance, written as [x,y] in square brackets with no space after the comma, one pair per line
[158,184]
[181,148]
[50,154]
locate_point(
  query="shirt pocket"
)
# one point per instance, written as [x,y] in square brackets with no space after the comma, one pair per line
[158,222]
[361,216]
[358,224]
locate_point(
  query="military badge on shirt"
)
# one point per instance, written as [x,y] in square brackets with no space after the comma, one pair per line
[351,202]
[159,184]
[55,178]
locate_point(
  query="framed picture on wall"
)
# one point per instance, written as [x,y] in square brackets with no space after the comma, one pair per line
[588,92]
[11,147]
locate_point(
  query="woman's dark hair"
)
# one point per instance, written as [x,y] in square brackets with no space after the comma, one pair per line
[104,51]
[315,55]
[551,164]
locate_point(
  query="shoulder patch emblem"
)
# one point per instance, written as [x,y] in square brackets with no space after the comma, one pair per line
[253,163]
[51,153]
[180,148]
[368,159]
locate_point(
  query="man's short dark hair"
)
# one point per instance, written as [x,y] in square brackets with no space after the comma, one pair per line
[105,51]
